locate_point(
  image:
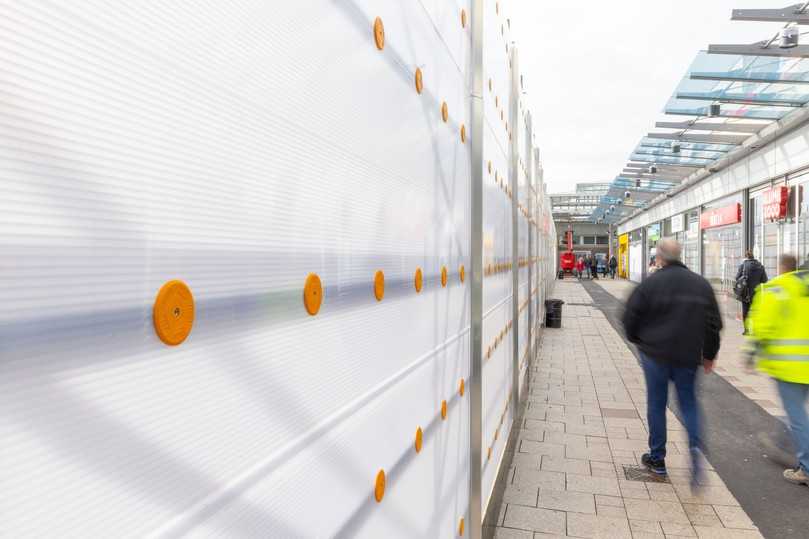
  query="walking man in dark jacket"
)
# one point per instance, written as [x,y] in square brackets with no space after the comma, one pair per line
[613,265]
[673,318]
[751,274]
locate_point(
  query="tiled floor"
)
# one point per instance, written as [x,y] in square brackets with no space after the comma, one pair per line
[584,421]
[730,364]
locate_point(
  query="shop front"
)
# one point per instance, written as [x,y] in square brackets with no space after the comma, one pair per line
[772,219]
[802,202]
[652,237]
[623,255]
[721,226]
[635,256]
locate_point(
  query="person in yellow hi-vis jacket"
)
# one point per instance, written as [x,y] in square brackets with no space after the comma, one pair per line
[778,337]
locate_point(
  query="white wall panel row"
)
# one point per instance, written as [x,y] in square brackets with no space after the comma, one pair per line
[240,147]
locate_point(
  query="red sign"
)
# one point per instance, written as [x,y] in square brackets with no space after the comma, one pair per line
[726,215]
[775,203]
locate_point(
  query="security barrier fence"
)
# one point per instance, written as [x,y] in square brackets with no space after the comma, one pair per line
[236,266]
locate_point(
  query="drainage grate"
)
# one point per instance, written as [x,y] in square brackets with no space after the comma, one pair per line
[637,473]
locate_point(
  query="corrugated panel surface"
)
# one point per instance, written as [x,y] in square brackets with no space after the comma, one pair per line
[240,147]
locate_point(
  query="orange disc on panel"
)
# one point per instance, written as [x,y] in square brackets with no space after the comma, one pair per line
[490,84]
[418,280]
[490,167]
[497,103]
[379,33]
[489,454]
[462,273]
[462,387]
[463,133]
[497,7]
[460,528]
[443,276]
[444,111]
[379,285]
[419,80]
[312,294]
[173,312]
[443,409]
[419,439]
[463,18]
[379,486]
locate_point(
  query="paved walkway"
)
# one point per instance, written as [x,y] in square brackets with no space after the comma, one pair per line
[584,421]
[730,365]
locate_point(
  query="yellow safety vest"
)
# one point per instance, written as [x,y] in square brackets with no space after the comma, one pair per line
[778,327]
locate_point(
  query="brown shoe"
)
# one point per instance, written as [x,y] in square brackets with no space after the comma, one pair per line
[797,476]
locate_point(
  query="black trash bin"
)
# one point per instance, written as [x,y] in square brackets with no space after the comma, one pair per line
[553,313]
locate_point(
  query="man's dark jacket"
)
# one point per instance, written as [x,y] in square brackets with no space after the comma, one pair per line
[756,274]
[673,317]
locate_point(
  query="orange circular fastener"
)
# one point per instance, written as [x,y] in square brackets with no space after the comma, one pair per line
[444,111]
[379,285]
[418,280]
[489,454]
[489,352]
[462,387]
[379,486]
[463,133]
[460,528]
[490,167]
[497,7]
[497,104]
[443,276]
[379,33]
[419,80]
[312,294]
[419,440]
[496,433]
[173,312]
[462,273]
[490,84]
[443,409]
[463,18]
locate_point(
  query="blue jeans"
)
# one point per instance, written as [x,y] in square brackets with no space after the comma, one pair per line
[657,395]
[794,397]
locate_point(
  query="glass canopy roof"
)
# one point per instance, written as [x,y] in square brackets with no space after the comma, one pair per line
[751,91]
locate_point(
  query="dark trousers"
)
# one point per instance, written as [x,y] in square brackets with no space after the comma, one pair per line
[657,377]
[745,311]
[612,273]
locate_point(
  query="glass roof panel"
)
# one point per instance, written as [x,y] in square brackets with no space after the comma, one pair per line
[710,155]
[667,160]
[658,143]
[695,107]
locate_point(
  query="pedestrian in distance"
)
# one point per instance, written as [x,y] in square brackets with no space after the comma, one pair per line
[580,267]
[673,319]
[594,267]
[778,339]
[613,266]
[750,274]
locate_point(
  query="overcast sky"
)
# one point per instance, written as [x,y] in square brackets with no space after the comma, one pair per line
[599,73]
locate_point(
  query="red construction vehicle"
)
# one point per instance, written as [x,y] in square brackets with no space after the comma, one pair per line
[567,259]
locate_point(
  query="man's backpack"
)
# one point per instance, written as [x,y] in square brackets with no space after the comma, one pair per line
[741,288]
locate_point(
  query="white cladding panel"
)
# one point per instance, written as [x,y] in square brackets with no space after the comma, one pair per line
[240,147]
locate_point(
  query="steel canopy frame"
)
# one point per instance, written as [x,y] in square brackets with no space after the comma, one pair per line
[793,13]
[735,127]
[696,137]
[759,49]
[741,100]
[773,77]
